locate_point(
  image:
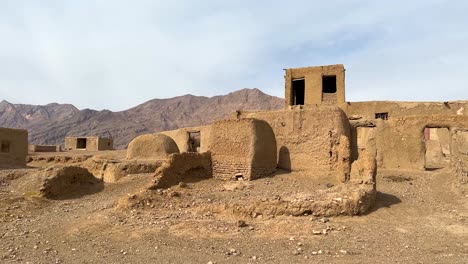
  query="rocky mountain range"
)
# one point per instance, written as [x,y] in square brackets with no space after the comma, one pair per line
[49,124]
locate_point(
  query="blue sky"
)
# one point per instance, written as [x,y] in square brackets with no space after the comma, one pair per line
[115,54]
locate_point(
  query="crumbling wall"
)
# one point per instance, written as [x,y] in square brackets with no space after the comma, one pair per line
[68,182]
[183,167]
[181,137]
[151,147]
[307,139]
[460,155]
[111,171]
[13,147]
[243,148]
[400,142]
[313,84]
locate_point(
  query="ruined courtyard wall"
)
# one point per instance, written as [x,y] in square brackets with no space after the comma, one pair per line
[313,83]
[244,147]
[181,137]
[151,146]
[184,167]
[460,155]
[400,141]
[307,140]
[17,141]
[92,144]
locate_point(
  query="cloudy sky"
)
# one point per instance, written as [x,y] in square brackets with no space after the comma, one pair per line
[115,54]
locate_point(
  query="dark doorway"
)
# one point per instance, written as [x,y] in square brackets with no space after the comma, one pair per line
[329,84]
[81,143]
[298,87]
[5,147]
[194,141]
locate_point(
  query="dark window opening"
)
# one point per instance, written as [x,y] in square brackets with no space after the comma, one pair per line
[298,87]
[383,116]
[81,143]
[5,147]
[194,141]
[329,84]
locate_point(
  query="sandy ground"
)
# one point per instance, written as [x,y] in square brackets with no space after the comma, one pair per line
[419,217]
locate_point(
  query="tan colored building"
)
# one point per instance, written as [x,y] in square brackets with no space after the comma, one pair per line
[13,146]
[88,143]
[322,85]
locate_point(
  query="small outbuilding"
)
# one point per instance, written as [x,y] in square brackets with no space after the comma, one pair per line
[13,146]
[89,143]
[244,148]
[151,146]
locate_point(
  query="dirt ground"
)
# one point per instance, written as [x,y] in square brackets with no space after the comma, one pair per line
[419,217]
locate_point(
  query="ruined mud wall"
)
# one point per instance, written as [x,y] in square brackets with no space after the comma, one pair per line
[13,146]
[460,155]
[183,167]
[181,137]
[313,84]
[307,140]
[400,142]
[367,110]
[245,147]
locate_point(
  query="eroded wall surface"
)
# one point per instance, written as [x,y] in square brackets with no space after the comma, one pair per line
[307,140]
[13,146]
[401,142]
[244,148]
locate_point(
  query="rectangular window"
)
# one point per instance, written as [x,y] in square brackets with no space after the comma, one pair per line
[383,116]
[298,87]
[5,148]
[329,84]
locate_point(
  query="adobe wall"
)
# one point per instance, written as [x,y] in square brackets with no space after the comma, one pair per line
[367,110]
[181,137]
[44,148]
[105,143]
[313,83]
[92,143]
[183,167]
[460,155]
[308,139]
[245,147]
[14,146]
[400,142]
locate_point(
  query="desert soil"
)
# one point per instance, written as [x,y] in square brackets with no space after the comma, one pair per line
[419,217]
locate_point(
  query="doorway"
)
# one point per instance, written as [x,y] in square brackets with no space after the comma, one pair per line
[437,147]
[194,141]
[81,143]
[298,87]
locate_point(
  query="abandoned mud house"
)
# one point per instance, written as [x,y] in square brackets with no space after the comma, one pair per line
[88,143]
[319,132]
[13,146]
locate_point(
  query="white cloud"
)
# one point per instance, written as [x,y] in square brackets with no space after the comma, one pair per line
[116,54]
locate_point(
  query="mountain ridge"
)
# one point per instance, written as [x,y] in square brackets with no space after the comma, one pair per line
[50,123]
